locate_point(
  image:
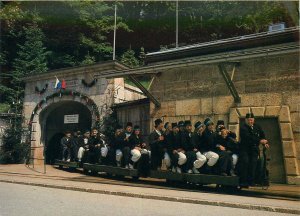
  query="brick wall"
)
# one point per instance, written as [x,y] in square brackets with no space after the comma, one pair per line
[198,92]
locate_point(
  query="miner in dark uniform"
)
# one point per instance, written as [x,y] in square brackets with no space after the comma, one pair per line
[123,139]
[94,147]
[251,137]
[175,149]
[83,144]
[225,144]
[220,124]
[157,144]
[197,139]
[116,146]
[181,126]
[66,146]
[167,156]
[189,148]
[75,145]
[210,140]
[169,140]
[206,146]
[140,154]
[168,128]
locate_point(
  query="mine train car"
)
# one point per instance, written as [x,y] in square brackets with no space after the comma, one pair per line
[201,179]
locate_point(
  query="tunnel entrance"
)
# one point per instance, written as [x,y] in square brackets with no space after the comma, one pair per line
[58,118]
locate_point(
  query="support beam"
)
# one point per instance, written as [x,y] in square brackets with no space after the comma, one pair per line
[145,91]
[229,82]
[152,79]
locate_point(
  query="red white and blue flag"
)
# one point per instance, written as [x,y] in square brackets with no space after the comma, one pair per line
[57,84]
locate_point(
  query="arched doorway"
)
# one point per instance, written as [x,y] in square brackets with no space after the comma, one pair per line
[55,120]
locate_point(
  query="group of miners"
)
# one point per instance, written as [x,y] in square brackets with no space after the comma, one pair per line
[205,149]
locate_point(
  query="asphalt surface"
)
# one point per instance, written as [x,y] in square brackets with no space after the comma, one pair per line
[279,198]
[31,200]
[77,175]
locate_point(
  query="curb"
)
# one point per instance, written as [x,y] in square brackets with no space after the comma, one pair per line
[274,194]
[164,198]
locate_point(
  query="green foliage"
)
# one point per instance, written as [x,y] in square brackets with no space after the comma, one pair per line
[2,58]
[81,32]
[31,57]
[153,23]
[84,30]
[4,107]
[13,150]
[129,59]
[88,60]
[109,124]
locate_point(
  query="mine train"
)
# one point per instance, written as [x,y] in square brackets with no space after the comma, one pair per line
[140,166]
[231,182]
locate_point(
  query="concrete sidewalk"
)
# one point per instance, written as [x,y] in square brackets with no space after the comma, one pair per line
[55,178]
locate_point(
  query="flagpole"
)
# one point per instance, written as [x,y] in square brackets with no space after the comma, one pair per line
[115,29]
[177,24]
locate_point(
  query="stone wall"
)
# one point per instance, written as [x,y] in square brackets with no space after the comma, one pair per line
[104,93]
[197,92]
[126,92]
[264,75]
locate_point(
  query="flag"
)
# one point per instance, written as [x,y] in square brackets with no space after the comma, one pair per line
[63,84]
[57,84]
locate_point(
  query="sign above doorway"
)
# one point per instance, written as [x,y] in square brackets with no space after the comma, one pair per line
[71,119]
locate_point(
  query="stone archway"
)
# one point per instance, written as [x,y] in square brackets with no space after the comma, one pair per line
[41,111]
[53,125]
[286,133]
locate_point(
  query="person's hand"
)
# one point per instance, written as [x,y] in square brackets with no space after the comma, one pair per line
[195,150]
[222,148]
[161,138]
[267,145]
[143,145]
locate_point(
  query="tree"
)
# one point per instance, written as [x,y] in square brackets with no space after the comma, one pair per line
[13,150]
[88,60]
[31,59]
[79,33]
[129,59]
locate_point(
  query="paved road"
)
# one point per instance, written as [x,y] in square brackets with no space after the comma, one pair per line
[16,200]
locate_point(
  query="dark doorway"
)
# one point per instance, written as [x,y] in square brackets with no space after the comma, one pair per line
[53,150]
[271,128]
[54,126]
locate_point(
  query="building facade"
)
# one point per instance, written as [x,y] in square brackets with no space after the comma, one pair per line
[81,104]
[227,79]
[222,80]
